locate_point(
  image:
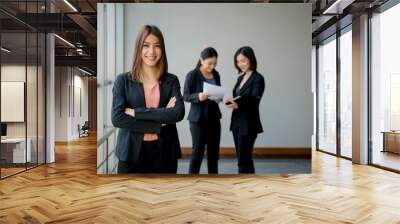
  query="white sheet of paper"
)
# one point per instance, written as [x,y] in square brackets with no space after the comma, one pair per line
[215,92]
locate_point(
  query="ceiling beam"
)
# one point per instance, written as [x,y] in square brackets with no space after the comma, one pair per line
[84,61]
[85,25]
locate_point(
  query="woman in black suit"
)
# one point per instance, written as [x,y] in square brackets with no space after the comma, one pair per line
[146,105]
[245,120]
[204,116]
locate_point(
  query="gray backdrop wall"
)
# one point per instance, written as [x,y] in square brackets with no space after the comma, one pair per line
[280,34]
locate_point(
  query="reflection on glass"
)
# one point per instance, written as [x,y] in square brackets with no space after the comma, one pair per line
[327,96]
[386,89]
[346,94]
[23,90]
[14,148]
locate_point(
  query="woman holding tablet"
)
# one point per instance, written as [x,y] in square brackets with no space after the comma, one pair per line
[245,120]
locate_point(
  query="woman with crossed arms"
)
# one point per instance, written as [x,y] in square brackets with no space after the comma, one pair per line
[147,103]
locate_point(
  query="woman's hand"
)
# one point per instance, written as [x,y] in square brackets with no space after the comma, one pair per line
[232,105]
[130,112]
[203,96]
[171,102]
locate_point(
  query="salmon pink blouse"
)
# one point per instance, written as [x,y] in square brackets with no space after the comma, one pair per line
[152,98]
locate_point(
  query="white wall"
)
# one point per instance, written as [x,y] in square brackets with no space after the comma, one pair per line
[17,73]
[61,103]
[14,72]
[67,81]
[80,84]
[280,34]
[33,125]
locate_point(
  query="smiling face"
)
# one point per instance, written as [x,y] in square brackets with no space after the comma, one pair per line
[151,51]
[243,63]
[208,64]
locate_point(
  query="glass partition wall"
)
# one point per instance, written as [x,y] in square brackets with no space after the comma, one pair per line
[385,89]
[345,61]
[334,110]
[22,77]
[334,86]
[327,95]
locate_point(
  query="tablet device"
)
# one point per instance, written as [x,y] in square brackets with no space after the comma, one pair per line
[234,99]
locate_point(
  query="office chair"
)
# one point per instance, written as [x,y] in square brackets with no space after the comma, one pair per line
[84,130]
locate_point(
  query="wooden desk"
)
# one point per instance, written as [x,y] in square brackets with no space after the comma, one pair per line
[391,141]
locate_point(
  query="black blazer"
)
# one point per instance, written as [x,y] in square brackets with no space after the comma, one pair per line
[246,119]
[129,93]
[207,110]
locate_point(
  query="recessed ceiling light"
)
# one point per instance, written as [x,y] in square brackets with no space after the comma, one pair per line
[84,71]
[5,50]
[70,5]
[328,10]
[64,40]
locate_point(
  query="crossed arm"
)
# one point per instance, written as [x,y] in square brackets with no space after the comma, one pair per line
[122,120]
[172,113]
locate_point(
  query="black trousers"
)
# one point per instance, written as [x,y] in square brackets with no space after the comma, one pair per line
[205,134]
[150,161]
[244,145]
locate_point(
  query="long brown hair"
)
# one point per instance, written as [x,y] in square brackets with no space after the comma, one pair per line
[144,32]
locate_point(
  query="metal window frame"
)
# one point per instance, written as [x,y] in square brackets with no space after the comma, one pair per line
[339,32]
[387,5]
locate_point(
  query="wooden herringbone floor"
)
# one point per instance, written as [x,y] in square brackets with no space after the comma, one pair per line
[69,191]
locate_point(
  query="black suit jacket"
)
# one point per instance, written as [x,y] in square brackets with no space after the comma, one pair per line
[246,119]
[207,110]
[129,93]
